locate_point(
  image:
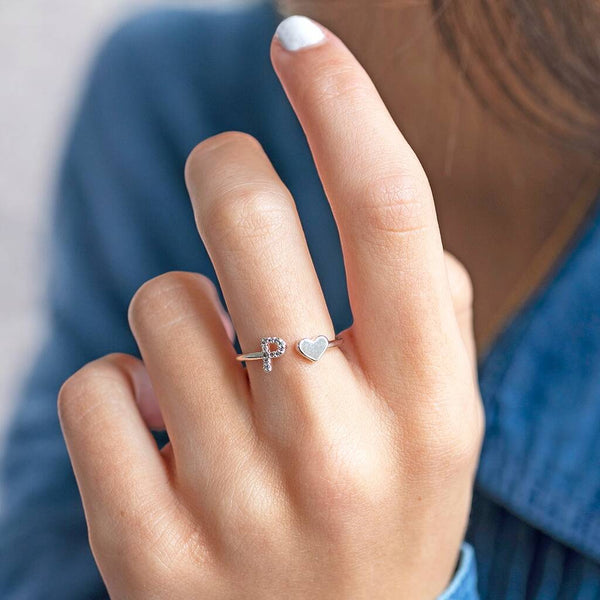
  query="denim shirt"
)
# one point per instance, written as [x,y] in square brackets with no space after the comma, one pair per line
[162,83]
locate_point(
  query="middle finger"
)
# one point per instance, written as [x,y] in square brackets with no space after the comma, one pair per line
[251,229]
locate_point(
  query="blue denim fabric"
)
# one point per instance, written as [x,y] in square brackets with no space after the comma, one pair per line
[464,584]
[163,82]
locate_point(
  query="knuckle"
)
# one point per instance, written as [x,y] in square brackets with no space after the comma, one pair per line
[195,161]
[117,551]
[247,213]
[70,393]
[477,428]
[349,478]
[146,534]
[104,536]
[395,204]
[171,541]
[164,298]
[461,285]
[82,392]
[458,450]
[449,448]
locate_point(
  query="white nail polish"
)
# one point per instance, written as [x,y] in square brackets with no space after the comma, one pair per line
[299,32]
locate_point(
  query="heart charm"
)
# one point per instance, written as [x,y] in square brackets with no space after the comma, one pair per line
[313,350]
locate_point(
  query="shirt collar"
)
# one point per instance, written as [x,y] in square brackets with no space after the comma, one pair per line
[541,388]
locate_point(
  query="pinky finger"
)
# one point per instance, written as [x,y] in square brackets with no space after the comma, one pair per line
[119,469]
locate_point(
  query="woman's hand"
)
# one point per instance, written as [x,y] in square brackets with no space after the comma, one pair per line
[346,478]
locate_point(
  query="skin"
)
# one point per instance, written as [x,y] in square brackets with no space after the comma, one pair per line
[348,478]
[500,190]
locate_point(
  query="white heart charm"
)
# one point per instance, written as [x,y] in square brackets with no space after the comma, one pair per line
[313,349]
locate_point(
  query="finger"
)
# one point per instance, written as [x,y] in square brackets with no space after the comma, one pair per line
[179,327]
[379,194]
[249,224]
[118,466]
[461,290]
[147,402]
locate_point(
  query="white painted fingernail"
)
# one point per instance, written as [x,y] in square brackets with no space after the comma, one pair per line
[298,32]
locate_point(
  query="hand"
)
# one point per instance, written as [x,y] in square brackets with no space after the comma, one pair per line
[346,478]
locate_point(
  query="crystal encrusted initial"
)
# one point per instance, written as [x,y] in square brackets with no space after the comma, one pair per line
[272,347]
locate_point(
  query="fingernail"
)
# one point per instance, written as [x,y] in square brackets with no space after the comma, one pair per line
[298,32]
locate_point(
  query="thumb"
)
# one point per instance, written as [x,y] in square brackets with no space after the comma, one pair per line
[461,290]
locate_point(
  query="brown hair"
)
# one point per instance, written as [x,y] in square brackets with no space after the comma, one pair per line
[535,62]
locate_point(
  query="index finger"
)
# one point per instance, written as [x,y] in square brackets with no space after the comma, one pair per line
[377,189]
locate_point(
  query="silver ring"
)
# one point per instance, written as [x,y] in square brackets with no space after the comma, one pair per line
[274,347]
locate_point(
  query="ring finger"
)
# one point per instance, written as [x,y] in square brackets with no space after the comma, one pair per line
[177,323]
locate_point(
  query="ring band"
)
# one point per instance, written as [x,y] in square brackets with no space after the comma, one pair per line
[274,347]
[267,353]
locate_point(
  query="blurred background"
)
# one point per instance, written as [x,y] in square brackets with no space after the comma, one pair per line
[45,48]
